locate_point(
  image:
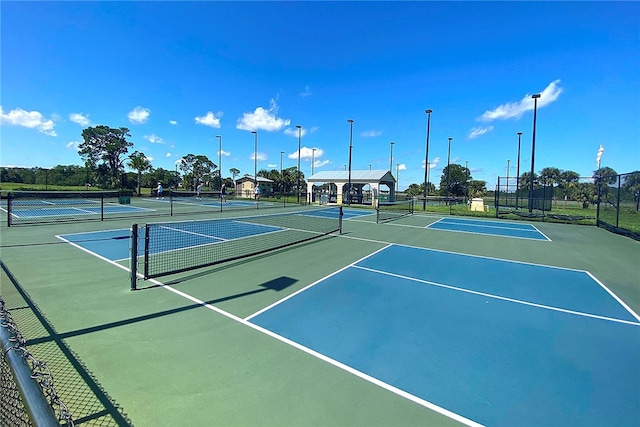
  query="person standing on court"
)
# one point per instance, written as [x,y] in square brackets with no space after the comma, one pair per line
[256,192]
[223,193]
[198,190]
[159,193]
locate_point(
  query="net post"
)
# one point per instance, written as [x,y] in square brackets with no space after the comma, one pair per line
[340,220]
[102,207]
[170,202]
[9,195]
[133,262]
[146,251]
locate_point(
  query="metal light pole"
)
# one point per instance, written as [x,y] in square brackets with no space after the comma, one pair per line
[426,162]
[391,158]
[350,121]
[508,181]
[299,138]
[255,159]
[448,168]
[518,171]
[533,149]
[281,177]
[313,160]
[220,158]
[466,167]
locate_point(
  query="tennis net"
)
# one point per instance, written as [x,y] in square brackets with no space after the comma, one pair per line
[386,211]
[34,207]
[172,247]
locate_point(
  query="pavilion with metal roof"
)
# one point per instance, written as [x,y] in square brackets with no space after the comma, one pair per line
[339,184]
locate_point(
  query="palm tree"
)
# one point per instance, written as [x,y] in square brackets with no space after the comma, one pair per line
[139,162]
[568,183]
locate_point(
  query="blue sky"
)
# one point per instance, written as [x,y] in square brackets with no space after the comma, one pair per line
[179,73]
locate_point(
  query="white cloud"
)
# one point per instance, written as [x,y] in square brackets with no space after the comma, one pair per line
[173,122]
[306,153]
[154,139]
[433,163]
[80,119]
[475,132]
[303,131]
[371,133]
[210,119]
[224,153]
[149,158]
[517,109]
[261,156]
[306,92]
[262,119]
[272,166]
[318,163]
[401,167]
[139,115]
[74,145]
[28,119]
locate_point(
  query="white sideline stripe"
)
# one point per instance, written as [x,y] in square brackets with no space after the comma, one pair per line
[93,253]
[177,230]
[327,359]
[488,226]
[484,294]
[622,303]
[504,260]
[313,284]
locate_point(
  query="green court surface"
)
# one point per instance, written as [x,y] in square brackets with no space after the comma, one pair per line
[158,357]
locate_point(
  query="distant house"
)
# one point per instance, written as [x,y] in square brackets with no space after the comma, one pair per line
[244,186]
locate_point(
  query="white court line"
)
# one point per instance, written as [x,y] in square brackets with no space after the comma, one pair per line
[327,359]
[313,284]
[484,294]
[177,230]
[488,234]
[344,236]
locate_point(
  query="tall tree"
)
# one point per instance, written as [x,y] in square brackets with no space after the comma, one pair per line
[197,168]
[631,184]
[139,162]
[458,177]
[106,145]
[550,176]
[234,172]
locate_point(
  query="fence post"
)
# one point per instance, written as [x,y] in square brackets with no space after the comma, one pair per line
[133,260]
[9,209]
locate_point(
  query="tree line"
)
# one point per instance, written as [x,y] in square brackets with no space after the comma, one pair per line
[105,153]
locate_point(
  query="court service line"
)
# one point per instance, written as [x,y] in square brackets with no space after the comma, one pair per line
[327,359]
[489,234]
[484,294]
[313,284]
[177,230]
[489,224]
[610,292]
[95,254]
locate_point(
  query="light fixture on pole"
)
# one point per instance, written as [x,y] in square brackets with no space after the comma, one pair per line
[299,138]
[518,171]
[220,158]
[391,158]
[350,121]
[426,162]
[533,149]
[255,159]
[448,168]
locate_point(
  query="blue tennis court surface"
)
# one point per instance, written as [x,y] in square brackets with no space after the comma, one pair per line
[44,209]
[114,245]
[496,342]
[495,228]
